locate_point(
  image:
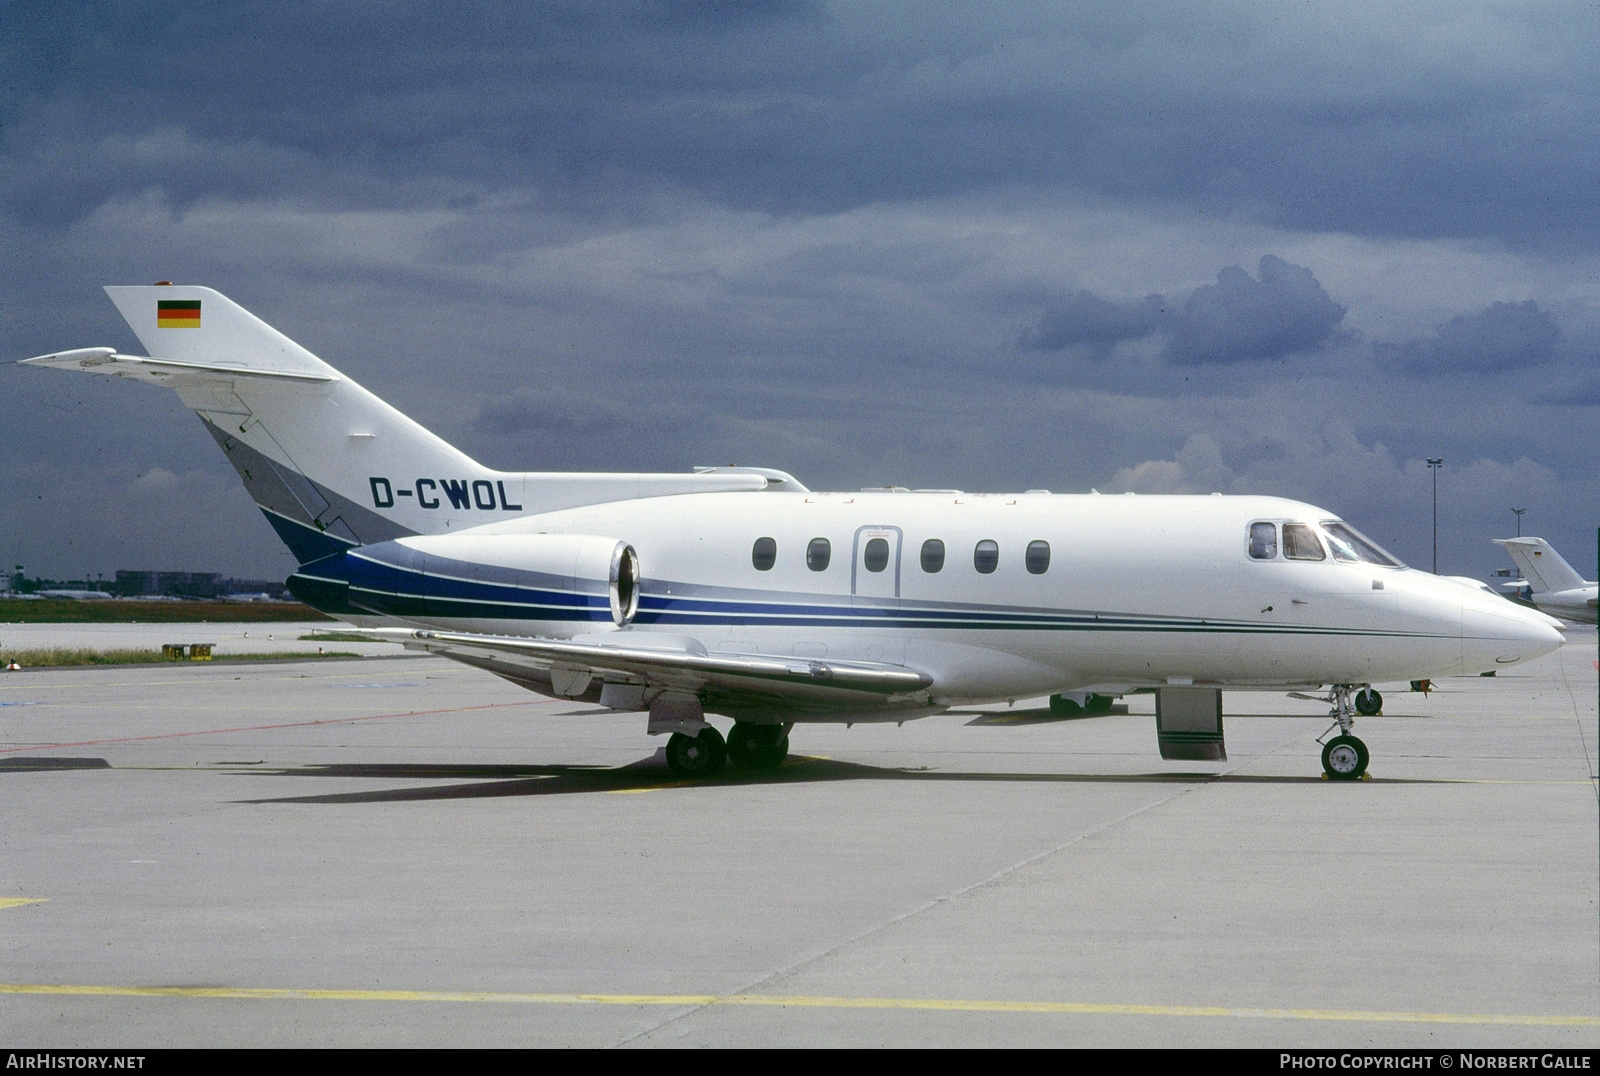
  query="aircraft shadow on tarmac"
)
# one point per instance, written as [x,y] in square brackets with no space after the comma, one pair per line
[652,774]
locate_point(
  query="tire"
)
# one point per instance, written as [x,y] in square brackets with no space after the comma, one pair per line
[1344,758]
[696,756]
[773,754]
[757,747]
[1099,704]
[1062,706]
[1368,702]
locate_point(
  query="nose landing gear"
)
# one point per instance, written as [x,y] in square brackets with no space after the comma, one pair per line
[1344,758]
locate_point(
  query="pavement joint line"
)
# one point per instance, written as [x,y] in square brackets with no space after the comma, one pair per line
[265,728]
[928,905]
[804,1001]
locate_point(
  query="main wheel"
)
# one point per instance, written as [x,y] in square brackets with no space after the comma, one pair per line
[773,754]
[757,747]
[1368,702]
[1344,758]
[696,756]
[1062,706]
[1099,704]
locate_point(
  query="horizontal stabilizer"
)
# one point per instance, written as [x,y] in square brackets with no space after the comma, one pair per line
[105,360]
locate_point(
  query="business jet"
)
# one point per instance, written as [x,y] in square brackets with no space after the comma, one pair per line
[738,592]
[1555,586]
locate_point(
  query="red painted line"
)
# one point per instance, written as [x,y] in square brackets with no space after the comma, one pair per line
[285,725]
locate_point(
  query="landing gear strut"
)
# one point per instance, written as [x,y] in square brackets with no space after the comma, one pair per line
[697,756]
[1344,758]
[758,747]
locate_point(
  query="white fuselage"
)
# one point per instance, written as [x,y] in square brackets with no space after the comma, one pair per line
[1138,591]
[1576,604]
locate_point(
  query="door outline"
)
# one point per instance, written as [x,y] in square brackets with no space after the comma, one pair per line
[866,534]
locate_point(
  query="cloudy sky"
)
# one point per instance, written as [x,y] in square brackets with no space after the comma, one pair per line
[1157,247]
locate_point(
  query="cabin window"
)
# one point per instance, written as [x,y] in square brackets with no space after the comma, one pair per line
[932,555]
[1037,558]
[1300,543]
[818,553]
[1263,541]
[764,554]
[1348,543]
[876,555]
[986,556]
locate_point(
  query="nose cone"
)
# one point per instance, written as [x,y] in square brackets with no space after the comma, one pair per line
[1495,633]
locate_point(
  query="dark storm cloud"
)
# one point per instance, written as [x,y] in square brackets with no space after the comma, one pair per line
[793,234]
[1506,336]
[1583,394]
[1283,311]
[1088,320]
[1323,123]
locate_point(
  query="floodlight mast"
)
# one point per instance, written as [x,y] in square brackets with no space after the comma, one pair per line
[1434,463]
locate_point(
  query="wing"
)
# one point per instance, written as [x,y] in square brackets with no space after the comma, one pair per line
[732,684]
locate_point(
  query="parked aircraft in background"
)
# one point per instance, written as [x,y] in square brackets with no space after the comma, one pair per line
[736,591]
[1556,586]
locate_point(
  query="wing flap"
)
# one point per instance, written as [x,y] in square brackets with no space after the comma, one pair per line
[677,669]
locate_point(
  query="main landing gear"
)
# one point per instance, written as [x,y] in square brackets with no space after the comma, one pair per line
[749,746]
[1075,705]
[758,747]
[1344,758]
[697,756]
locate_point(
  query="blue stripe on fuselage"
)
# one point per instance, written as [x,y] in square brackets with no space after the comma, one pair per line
[403,590]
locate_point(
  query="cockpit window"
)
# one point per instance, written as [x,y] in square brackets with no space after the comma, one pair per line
[1263,541]
[1300,543]
[1349,544]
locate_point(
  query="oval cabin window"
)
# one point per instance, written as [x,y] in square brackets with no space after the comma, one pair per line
[876,555]
[818,553]
[932,555]
[1037,558]
[986,556]
[764,554]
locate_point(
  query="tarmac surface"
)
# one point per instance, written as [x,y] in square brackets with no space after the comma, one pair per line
[408,852]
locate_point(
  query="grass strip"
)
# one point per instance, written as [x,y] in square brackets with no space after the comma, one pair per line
[114,611]
[65,657]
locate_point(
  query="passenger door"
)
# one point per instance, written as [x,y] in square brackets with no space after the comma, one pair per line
[875,568]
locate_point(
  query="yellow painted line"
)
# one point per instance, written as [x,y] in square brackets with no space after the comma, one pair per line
[16,902]
[652,788]
[800,1001]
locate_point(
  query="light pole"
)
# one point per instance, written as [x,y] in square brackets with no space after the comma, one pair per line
[1434,463]
[1518,513]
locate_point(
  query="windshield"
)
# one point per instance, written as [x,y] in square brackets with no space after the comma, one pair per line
[1349,544]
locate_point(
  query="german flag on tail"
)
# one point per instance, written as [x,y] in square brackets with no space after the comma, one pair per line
[177,313]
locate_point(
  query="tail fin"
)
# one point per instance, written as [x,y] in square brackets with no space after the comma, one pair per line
[1543,567]
[331,465]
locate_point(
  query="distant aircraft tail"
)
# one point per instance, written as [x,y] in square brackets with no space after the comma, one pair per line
[331,465]
[1542,566]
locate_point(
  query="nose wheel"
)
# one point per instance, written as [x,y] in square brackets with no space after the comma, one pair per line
[1344,758]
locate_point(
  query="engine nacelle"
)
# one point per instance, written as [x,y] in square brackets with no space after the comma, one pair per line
[583,578]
